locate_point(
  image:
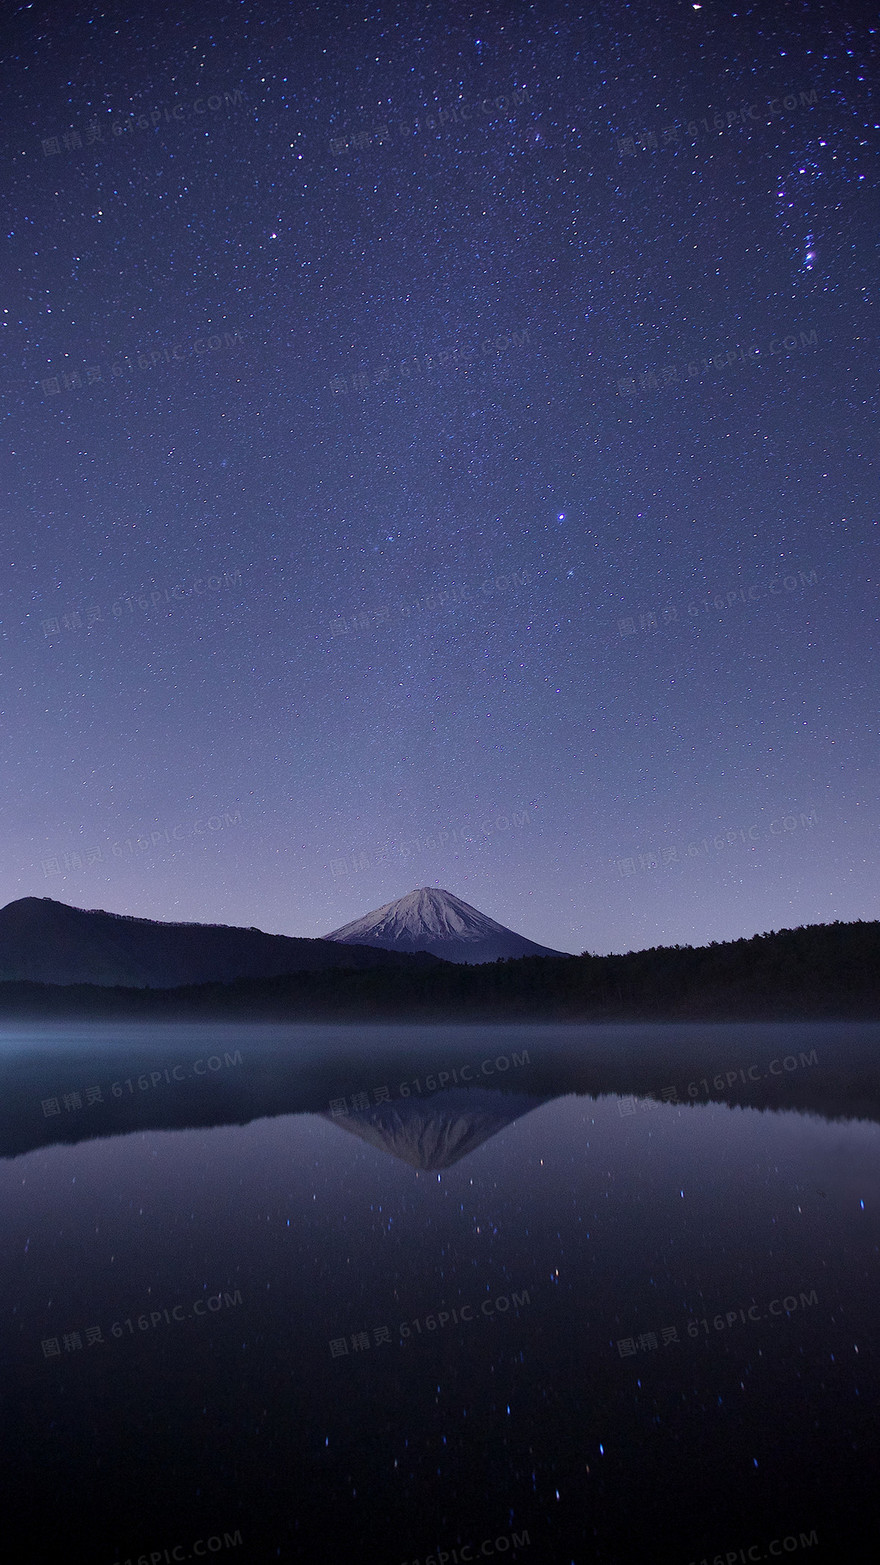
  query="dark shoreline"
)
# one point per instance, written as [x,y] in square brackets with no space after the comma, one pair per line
[816,973]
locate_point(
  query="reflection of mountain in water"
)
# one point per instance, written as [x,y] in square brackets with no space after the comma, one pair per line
[830,1069]
[438,1131]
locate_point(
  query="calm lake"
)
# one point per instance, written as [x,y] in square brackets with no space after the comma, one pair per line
[286,1294]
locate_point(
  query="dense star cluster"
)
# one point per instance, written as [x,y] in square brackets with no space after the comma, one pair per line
[440,449]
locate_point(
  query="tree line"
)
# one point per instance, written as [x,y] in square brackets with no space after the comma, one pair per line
[813,971]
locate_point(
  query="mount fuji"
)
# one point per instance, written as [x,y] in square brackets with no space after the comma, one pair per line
[433,920]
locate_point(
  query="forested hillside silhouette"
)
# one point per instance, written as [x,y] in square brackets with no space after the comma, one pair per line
[815,971]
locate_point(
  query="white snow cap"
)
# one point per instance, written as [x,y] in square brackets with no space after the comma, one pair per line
[431,919]
[426,911]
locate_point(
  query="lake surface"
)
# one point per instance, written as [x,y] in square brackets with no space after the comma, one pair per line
[278,1308]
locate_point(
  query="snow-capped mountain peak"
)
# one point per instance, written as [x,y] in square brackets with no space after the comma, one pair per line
[431,919]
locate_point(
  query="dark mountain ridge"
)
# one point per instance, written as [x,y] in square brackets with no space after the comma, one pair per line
[48,942]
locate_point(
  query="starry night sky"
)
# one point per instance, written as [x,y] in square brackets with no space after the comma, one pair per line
[595,365]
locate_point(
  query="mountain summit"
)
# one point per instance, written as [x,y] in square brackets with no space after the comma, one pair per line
[433,920]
